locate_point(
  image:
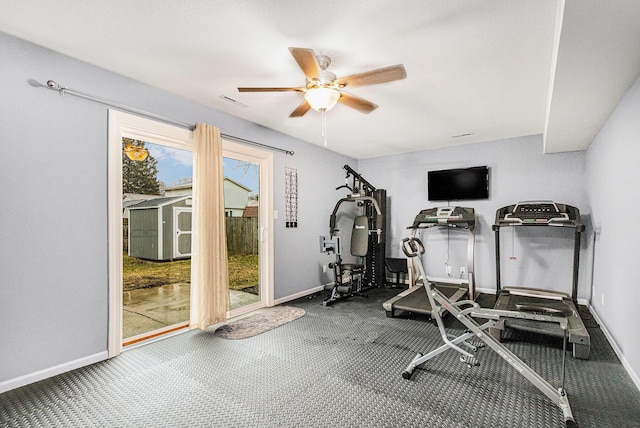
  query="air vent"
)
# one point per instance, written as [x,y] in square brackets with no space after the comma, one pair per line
[232,101]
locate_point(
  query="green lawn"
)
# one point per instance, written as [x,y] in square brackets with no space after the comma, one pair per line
[137,273]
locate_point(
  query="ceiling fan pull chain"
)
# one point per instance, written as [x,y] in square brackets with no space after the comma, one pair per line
[324,126]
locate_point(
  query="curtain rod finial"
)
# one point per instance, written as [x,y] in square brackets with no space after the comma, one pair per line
[54,85]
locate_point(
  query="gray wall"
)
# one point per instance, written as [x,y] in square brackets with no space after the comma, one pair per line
[53,261]
[612,182]
[518,171]
[318,176]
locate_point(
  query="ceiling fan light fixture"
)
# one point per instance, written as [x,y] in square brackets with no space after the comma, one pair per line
[322,98]
[136,153]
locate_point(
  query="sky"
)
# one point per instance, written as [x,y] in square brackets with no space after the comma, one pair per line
[175,164]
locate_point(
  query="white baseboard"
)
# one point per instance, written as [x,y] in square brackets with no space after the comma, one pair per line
[17,382]
[298,295]
[616,348]
[312,291]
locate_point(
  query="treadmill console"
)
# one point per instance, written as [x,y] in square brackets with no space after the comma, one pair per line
[546,213]
[446,212]
[451,216]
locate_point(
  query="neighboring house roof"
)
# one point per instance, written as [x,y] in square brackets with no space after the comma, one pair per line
[179,186]
[158,202]
[250,211]
[190,185]
[238,184]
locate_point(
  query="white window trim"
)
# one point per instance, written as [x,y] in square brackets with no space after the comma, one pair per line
[265,160]
[124,124]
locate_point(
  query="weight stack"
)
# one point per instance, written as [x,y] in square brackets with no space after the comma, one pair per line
[375,261]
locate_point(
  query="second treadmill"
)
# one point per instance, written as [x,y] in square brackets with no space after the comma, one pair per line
[547,302]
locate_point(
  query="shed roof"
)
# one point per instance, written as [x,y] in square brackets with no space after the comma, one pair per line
[159,202]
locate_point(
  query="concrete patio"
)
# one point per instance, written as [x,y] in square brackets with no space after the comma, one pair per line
[149,309]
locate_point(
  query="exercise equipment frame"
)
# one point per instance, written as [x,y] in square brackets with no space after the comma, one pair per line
[464,311]
[352,279]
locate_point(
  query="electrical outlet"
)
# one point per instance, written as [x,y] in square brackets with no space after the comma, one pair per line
[448,269]
[463,271]
[602,298]
[324,268]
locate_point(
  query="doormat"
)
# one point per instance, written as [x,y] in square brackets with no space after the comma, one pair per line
[259,322]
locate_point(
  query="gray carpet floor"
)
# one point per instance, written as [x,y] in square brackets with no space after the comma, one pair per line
[335,367]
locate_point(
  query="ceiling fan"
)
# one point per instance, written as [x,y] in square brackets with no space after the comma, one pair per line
[323,90]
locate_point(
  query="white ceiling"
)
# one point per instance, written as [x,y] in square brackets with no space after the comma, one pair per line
[493,69]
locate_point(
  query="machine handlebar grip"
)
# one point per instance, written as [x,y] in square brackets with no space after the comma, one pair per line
[332,224]
[412,247]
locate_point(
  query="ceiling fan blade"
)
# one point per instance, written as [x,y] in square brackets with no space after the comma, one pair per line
[270,89]
[307,61]
[373,77]
[301,109]
[357,103]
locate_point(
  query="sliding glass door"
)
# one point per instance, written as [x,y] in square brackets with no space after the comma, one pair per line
[150,205]
[156,257]
[242,209]
[247,195]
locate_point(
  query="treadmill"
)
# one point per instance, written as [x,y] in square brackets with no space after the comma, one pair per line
[415,299]
[540,301]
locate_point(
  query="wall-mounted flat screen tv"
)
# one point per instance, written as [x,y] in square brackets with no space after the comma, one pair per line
[458,184]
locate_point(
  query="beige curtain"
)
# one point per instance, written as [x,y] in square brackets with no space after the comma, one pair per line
[209,278]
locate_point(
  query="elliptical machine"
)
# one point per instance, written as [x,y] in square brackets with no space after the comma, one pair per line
[367,241]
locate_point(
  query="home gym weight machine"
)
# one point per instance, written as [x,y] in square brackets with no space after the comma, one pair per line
[475,336]
[413,299]
[367,241]
[539,214]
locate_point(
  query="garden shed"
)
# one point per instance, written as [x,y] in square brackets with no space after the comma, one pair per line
[160,228]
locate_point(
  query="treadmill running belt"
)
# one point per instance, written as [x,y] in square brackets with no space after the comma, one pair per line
[576,331]
[418,301]
[546,306]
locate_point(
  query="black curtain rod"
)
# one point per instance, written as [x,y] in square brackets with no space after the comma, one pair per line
[65,90]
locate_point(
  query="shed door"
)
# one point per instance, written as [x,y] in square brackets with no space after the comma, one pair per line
[182,232]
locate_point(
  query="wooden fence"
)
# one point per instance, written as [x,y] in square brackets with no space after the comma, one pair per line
[242,235]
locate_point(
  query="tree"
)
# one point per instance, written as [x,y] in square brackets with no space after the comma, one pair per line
[183,180]
[139,176]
